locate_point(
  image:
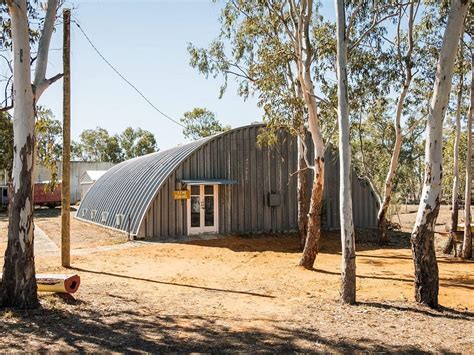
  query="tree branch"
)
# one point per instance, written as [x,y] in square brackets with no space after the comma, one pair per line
[45,84]
[40,82]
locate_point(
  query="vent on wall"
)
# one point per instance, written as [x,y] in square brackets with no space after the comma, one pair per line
[119,219]
[84,211]
[93,213]
[105,215]
[273,199]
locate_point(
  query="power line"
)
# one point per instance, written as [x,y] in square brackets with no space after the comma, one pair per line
[125,79]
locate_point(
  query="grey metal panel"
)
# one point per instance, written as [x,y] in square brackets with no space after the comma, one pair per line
[129,187]
[143,187]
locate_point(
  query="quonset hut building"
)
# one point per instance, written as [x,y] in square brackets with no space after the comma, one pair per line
[223,184]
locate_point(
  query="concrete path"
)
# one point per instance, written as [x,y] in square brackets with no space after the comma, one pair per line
[43,244]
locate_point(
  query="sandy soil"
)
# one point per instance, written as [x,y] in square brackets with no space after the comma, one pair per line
[246,294]
[83,235]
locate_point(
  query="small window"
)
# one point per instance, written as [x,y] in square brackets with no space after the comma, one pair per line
[194,190]
[209,190]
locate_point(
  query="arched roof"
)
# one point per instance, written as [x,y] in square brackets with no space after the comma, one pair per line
[128,188]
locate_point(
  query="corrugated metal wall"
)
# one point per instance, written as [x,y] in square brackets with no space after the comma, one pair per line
[243,207]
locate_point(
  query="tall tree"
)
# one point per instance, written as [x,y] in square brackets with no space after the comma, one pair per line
[422,238]
[200,122]
[467,242]
[136,142]
[263,61]
[406,62]
[457,140]
[348,264]
[18,282]
[48,142]
[97,145]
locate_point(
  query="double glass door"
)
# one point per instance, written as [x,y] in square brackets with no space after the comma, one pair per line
[202,209]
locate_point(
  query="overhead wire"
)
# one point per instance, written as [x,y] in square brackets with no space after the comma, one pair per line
[124,78]
[134,87]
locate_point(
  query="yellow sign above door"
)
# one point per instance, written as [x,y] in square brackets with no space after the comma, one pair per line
[181,194]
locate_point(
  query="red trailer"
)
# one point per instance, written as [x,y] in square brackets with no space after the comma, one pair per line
[43,196]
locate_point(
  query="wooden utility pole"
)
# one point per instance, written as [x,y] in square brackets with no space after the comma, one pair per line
[66,165]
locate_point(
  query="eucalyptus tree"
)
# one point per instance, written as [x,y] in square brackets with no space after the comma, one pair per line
[467,242]
[48,132]
[200,122]
[422,238]
[348,264]
[18,281]
[456,146]
[406,62]
[266,58]
[135,143]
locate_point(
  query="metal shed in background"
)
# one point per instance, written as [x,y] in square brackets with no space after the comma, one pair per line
[220,184]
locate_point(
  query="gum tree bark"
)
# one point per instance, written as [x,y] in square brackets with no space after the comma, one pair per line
[18,282]
[348,263]
[301,17]
[455,198]
[422,238]
[302,186]
[392,171]
[467,242]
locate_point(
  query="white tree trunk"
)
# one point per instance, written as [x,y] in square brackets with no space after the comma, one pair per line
[392,171]
[302,17]
[19,257]
[348,264]
[302,188]
[455,194]
[422,238]
[467,242]
[18,281]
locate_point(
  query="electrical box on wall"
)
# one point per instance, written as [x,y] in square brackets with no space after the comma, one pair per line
[273,199]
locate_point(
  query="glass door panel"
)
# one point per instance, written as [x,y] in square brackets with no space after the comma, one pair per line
[202,209]
[195,211]
[209,211]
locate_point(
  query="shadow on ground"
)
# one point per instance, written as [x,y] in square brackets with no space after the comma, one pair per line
[85,329]
[366,239]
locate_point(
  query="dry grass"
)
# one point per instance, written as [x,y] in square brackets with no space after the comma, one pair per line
[245,294]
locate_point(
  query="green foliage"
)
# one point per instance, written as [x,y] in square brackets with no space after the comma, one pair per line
[6,142]
[98,146]
[200,122]
[448,164]
[135,143]
[48,133]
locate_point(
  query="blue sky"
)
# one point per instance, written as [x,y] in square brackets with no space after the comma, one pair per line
[146,41]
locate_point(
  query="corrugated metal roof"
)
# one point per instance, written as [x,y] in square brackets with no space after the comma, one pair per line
[120,198]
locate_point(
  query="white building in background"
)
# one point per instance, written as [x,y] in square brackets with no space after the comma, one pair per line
[78,168]
[88,178]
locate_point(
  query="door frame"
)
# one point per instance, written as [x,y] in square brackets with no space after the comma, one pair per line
[203,229]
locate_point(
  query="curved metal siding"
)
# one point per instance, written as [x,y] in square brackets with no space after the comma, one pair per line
[242,207]
[142,187]
[129,187]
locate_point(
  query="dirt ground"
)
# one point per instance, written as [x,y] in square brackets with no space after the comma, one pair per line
[243,294]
